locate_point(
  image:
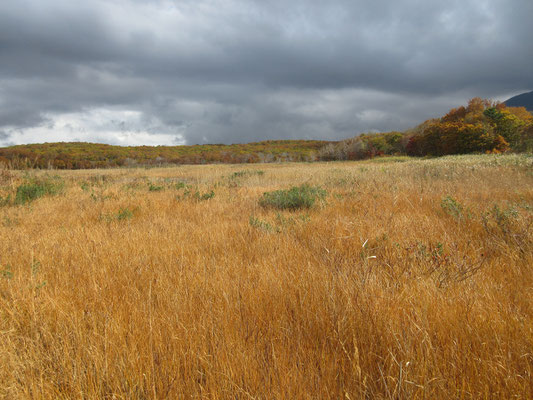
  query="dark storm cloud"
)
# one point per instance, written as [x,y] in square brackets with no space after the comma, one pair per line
[237,71]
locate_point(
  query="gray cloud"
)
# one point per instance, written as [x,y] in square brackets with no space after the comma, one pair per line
[127,71]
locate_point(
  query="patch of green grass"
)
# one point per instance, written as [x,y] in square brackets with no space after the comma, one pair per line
[390,159]
[124,213]
[280,223]
[297,197]
[262,225]
[154,188]
[196,195]
[100,180]
[236,178]
[245,173]
[35,188]
[180,185]
[452,207]
[503,218]
[204,196]
[9,222]
[284,222]
[6,272]
[5,201]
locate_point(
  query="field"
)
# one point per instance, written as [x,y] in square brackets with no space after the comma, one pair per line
[406,279]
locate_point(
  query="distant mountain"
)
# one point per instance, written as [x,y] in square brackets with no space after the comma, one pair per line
[522,100]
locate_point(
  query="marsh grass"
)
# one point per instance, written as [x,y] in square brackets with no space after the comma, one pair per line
[154,187]
[34,188]
[297,197]
[380,293]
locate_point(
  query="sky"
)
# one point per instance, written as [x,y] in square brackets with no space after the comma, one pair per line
[171,72]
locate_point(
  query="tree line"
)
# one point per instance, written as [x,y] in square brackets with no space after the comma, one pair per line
[80,155]
[483,126]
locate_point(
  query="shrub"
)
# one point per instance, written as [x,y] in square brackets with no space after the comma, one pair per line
[452,207]
[303,196]
[35,188]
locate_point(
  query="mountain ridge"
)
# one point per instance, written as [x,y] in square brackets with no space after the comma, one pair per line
[521,100]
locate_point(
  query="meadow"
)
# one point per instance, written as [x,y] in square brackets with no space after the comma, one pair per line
[395,278]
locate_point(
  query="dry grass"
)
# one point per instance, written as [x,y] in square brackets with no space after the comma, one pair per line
[413,280]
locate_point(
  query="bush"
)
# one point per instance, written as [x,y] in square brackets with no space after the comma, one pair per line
[35,188]
[452,207]
[303,196]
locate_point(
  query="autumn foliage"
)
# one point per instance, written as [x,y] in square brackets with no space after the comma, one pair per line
[481,127]
[367,145]
[79,155]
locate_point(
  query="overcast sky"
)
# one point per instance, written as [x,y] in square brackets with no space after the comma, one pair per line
[135,72]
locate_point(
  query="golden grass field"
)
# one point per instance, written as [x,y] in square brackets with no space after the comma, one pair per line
[412,280]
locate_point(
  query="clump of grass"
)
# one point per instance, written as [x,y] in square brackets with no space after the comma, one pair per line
[283,221]
[35,188]
[123,214]
[280,223]
[506,220]
[262,225]
[297,197]
[389,159]
[154,188]
[236,178]
[452,207]
[5,175]
[6,272]
[204,196]
[180,185]
[196,195]
[245,173]
[100,180]
[5,201]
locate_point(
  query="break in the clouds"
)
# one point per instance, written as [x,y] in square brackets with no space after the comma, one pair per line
[223,71]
